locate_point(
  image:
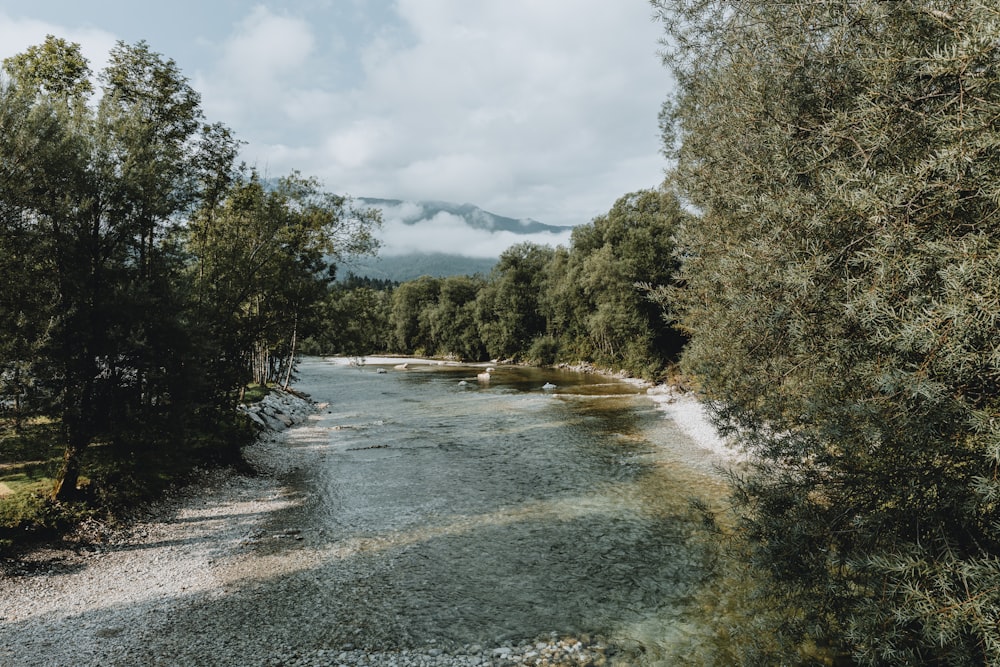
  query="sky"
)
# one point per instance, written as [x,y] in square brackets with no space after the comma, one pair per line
[541,109]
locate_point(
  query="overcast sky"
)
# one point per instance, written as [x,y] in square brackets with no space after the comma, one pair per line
[543,109]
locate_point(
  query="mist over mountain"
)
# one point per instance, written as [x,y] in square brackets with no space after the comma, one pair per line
[442,239]
[416,212]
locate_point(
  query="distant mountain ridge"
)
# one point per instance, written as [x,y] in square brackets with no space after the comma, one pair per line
[401,267]
[474,216]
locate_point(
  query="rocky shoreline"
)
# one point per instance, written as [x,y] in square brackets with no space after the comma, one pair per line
[546,651]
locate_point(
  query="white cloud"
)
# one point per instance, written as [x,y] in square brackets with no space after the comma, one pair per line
[260,82]
[404,211]
[360,143]
[17,34]
[543,110]
[266,49]
[449,233]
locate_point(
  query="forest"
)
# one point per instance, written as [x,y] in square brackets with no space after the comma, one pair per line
[821,264]
[148,279]
[589,302]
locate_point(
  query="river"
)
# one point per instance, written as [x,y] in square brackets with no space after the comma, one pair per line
[420,518]
[460,512]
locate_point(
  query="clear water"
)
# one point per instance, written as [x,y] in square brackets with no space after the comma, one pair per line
[425,512]
[492,513]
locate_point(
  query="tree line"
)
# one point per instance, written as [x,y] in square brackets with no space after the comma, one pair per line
[586,302]
[147,276]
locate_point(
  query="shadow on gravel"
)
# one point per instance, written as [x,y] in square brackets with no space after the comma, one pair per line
[488,580]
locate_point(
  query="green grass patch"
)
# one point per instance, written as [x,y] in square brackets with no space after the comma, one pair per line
[124,468]
[30,514]
[255,392]
[30,457]
[29,460]
[37,440]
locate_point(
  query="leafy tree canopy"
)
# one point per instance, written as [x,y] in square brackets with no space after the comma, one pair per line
[841,294]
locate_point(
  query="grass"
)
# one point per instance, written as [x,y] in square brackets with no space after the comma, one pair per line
[30,458]
[116,476]
[255,392]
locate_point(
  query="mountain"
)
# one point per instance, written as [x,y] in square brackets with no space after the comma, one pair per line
[414,212]
[440,239]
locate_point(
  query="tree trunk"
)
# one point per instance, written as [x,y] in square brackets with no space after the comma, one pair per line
[78,420]
[69,476]
[17,399]
[261,364]
[291,357]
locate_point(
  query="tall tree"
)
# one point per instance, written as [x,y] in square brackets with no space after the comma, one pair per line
[263,259]
[598,304]
[50,197]
[453,318]
[96,188]
[409,317]
[841,292]
[144,271]
[40,172]
[355,320]
[54,68]
[507,308]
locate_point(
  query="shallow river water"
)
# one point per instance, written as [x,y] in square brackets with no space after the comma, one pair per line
[427,514]
[485,513]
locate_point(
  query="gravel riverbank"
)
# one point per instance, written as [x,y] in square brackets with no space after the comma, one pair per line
[151,594]
[91,599]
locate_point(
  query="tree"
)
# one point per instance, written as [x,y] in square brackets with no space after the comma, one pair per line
[409,317]
[452,319]
[144,275]
[354,320]
[54,68]
[38,155]
[264,259]
[507,309]
[599,302]
[97,187]
[841,291]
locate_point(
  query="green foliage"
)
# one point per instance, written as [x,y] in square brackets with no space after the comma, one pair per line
[595,297]
[30,455]
[142,273]
[589,302]
[840,291]
[261,268]
[33,514]
[409,320]
[354,321]
[544,351]
[404,268]
[507,309]
[55,67]
[453,319]
[255,393]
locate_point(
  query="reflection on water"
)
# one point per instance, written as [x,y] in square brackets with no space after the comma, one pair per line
[487,512]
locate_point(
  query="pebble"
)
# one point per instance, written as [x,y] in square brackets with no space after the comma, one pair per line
[565,652]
